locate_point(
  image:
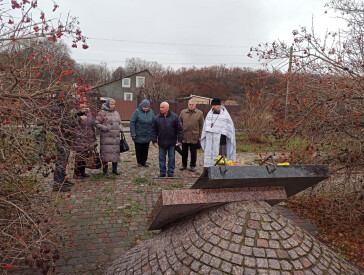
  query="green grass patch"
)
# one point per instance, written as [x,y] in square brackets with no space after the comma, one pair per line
[245,144]
[131,210]
[127,160]
[140,180]
[108,210]
[177,185]
[241,147]
[269,144]
[101,177]
[135,207]
[102,198]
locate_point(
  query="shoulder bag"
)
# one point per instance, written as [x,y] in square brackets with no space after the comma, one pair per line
[123,144]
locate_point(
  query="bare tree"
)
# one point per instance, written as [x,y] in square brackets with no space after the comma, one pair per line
[158,91]
[318,112]
[134,65]
[325,101]
[93,74]
[118,73]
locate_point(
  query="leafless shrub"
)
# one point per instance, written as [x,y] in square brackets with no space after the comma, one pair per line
[33,68]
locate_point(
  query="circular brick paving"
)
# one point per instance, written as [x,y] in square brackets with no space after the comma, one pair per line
[237,238]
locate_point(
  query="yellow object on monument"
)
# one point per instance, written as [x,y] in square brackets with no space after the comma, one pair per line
[283,164]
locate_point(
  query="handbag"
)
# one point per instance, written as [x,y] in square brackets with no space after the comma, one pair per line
[123,144]
[93,160]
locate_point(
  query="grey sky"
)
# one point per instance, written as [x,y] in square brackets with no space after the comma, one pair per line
[187,33]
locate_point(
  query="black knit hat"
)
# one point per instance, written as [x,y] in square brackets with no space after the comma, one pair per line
[216,101]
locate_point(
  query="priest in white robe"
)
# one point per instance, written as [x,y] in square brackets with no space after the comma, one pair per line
[218,134]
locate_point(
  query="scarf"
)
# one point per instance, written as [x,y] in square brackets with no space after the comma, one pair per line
[107,103]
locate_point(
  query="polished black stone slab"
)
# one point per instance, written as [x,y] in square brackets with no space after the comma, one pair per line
[294,178]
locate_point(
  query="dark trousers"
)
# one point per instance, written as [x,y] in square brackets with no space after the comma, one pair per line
[141,152]
[222,150]
[105,167]
[193,152]
[80,163]
[63,153]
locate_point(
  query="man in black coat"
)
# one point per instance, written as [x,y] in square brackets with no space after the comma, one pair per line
[167,130]
[63,133]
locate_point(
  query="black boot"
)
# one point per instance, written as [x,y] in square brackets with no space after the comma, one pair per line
[83,172]
[105,168]
[115,168]
[78,171]
[59,187]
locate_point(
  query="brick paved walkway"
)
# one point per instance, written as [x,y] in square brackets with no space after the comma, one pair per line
[104,217]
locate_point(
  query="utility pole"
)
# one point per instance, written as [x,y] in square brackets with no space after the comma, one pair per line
[288,82]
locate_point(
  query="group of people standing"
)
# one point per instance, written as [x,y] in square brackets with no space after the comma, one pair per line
[167,131]
[77,132]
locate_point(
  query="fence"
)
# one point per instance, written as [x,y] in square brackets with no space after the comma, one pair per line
[127,108]
[205,108]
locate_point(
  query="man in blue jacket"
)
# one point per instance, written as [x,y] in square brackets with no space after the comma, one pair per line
[167,130]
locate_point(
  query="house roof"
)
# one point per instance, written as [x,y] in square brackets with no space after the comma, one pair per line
[230,102]
[191,95]
[127,76]
[138,73]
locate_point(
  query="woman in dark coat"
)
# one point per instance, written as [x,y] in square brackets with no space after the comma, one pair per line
[140,131]
[85,139]
[109,123]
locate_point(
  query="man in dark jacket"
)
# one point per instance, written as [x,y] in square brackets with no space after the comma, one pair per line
[63,133]
[166,131]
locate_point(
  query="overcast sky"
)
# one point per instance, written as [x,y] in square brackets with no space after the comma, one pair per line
[187,33]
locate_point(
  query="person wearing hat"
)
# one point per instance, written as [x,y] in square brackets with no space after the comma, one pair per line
[109,123]
[218,134]
[84,139]
[63,133]
[140,130]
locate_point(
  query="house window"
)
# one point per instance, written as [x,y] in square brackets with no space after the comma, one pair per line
[140,80]
[128,96]
[126,83]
